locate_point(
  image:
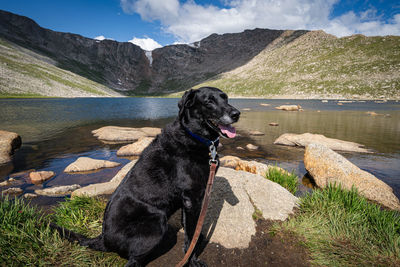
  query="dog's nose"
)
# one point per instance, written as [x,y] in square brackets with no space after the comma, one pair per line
[235,114]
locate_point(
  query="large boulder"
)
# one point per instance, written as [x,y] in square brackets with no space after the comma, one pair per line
[104,188]
[235,196]
[9,142]
[328,167]
[124,134]
[84,164]
[302,140]
[136,148]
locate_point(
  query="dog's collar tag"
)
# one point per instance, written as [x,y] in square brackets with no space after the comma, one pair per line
[213,153]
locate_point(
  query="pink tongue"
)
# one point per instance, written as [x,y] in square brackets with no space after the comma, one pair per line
[228,130]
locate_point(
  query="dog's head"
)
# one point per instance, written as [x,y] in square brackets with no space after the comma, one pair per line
[206,111]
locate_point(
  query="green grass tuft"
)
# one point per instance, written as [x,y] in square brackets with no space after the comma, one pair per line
[290,181]
[341,228]
[27,240]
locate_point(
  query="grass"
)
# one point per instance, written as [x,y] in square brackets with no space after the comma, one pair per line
[27,240]
[341,228]
[290,181]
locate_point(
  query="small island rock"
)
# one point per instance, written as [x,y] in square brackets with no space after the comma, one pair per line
[83,164]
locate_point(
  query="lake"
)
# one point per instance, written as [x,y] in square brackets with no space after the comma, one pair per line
[57,131]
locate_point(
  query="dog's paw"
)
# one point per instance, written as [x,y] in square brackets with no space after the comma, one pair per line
[194,262]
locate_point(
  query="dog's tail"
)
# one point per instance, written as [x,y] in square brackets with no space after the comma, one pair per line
[96,243]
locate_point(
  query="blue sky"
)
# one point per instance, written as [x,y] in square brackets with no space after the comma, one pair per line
[152,23]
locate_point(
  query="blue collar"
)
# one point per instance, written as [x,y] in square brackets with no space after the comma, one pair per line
[206,142]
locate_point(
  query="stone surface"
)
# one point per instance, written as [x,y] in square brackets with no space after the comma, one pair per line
[273,124]
[83,164]
[328,167]
[40,176]
[302,140]
[230,210]
[104,188]
[29,195]
[57,191]
[124,134]
[9,142]
[289,107]
[251,147]
[12,191]
[256,133]
[136,148]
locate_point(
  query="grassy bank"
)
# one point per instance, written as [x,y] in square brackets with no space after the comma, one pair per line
[338,228]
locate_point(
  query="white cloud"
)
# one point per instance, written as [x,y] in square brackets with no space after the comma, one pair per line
[147,44]
[190,22]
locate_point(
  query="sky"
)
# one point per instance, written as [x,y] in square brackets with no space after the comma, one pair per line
[155,23]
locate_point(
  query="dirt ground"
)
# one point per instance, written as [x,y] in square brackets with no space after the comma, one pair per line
[264,250]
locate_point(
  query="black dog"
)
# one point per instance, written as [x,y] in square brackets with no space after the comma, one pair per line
[171,173]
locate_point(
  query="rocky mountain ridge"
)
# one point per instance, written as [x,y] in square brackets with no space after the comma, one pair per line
[126,67]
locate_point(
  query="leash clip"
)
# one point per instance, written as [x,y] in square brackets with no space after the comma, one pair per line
[213,153]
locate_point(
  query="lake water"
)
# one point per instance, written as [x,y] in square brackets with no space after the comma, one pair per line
[57,131]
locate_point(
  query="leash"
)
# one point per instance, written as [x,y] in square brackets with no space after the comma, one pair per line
[213,167]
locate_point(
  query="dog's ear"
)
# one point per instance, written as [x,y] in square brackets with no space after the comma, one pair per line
[186,101]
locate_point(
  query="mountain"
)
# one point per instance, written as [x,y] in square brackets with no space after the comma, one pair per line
[319,65]
[24,73]
[257,62]
[126,67]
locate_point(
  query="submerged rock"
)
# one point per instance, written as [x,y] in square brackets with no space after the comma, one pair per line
[124,134]
[328,167]
[57,191]
[302,140]
[251,147]
[9,142]
[83,164]
[136,148]
[256,133]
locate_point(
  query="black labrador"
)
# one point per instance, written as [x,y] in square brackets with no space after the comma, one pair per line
[170,174]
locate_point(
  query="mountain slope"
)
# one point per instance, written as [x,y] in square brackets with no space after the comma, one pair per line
[24,73]
[319,65]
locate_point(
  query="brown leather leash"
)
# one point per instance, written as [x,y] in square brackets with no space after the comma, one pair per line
[204,206]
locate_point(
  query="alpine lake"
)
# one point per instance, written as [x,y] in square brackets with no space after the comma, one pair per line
[55,132]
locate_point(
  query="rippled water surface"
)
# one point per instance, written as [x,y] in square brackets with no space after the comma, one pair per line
[57,131]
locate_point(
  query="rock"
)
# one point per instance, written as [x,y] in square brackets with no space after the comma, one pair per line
[41,176]
[340,104]
[239,148]
[251,147]
[247,166]
[229,161]
[21,173]
[29,195]
[124,134]
[273,124]
[83,164]
[289,107]
[9,142]
[10,181]
[302,140]
[324,101]
[246,109]
[136,148]
[328,167]
[256,133]
[104,188]
[231,206]
[57,191]
[373,113]
[12,191]
[265,104]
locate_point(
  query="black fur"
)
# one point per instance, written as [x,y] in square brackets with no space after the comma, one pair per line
[170,174]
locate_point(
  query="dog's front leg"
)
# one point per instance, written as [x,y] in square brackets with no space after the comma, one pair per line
[190,214]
